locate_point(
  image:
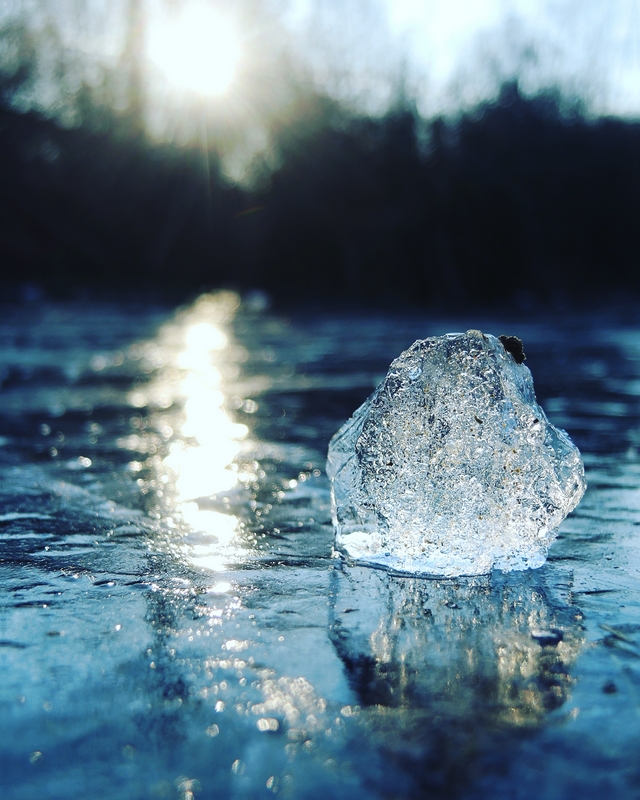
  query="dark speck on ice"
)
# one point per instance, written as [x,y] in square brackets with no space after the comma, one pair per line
[514,346]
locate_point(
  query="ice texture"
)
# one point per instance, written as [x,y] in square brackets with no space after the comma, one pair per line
[451,467]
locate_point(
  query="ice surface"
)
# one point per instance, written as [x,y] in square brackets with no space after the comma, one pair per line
[451,467]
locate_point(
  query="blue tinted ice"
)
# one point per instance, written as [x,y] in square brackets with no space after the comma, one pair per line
[451,467]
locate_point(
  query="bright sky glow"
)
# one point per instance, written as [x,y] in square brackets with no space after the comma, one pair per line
[437,32]
[454,54]
[194,48]
[590,47]
[447,56]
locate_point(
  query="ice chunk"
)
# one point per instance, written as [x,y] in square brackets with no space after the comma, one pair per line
[451,467]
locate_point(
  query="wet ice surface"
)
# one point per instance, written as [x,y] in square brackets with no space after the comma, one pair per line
[171,627]
[451,467]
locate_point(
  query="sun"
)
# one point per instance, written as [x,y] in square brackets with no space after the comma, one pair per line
[195,49]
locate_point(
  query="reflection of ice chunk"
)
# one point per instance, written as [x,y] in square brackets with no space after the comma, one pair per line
[493,650]
[451,467]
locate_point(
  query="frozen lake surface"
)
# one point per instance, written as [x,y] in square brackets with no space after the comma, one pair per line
[172,624]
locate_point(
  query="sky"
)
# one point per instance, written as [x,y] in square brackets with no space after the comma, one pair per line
[456,52]
[446,55]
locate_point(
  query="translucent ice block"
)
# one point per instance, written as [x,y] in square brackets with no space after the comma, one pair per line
[451,467]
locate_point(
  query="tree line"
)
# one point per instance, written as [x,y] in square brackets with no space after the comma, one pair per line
[520,200]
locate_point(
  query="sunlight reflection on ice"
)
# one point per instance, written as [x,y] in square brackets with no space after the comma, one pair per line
[187,395]
[195,468]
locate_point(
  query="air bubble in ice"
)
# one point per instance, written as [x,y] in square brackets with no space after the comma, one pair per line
[451,467]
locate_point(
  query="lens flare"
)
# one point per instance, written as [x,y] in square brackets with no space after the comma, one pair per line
[195,49]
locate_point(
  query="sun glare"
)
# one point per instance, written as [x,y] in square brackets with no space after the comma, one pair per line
[195,48]
[194,356]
